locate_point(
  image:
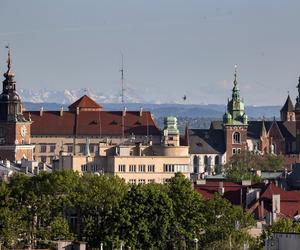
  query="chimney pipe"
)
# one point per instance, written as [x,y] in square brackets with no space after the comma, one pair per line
[61,111]
[141,111]
[77,110]
[221,189]
[41,111]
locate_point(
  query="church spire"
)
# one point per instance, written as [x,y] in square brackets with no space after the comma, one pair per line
[9,72]
[235,90]
[297,106]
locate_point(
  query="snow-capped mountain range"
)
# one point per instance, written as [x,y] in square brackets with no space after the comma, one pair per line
[68,96]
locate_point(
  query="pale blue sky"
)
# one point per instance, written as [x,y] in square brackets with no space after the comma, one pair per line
[171,47]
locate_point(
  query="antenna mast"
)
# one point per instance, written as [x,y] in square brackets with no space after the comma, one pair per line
[122,78]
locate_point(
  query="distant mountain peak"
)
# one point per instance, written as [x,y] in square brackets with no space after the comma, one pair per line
[68,96]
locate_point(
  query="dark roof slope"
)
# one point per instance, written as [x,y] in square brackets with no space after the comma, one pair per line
[288,106]
[287,129]
[206,141]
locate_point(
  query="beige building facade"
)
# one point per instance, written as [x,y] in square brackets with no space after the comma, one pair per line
[136,163]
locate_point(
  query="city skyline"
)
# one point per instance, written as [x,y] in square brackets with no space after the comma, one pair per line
[174,47]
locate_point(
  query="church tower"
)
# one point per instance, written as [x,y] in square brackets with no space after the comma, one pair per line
[14,128]
[287,111]
[297,116]
[235,122]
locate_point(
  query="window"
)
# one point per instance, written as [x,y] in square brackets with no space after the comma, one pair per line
[43,148]
[84,168]
[168,168]
[92,148]
[151,181]
[142,181]
[217,160]
[234,151]
[236,138]
[151,168]
[43,159]
[132,181]
[52,148]
[238,150]
[206,160]
[122,168]
[94,168]
[132,168]
[51,159]
[176,168]
[82,148]
[142,168]
[70,149]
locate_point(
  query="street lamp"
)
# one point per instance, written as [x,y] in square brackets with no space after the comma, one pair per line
[196,243]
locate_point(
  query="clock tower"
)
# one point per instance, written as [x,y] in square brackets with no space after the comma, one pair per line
[235,122]
[14,128]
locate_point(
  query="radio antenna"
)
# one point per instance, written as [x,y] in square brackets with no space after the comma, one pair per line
[122,78]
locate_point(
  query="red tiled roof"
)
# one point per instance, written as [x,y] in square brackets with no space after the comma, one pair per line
[289,201]
[92,123]
[284,195]
[84,102]
[232,191]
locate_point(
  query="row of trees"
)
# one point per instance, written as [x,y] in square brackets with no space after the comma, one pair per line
[101,209]
[244,166]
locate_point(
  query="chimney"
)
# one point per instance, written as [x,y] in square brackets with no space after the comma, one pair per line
[258,173]
[77,110]
[221,189]
[275,206]
[124,111]
[141,111]
[7,163]
[276,203]
[257,194]
[61,113]
[41,111]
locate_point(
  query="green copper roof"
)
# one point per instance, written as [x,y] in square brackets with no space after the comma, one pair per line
[170,124]
[235,114]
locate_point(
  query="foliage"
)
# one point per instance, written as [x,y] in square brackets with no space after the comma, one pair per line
[188,207]
[283,225]
[109,211]
[243,166]
[146,214]
[227,223]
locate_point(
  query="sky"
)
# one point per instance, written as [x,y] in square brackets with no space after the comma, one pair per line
[171,48]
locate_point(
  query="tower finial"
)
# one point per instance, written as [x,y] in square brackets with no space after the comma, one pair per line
[8,57]
[235,74]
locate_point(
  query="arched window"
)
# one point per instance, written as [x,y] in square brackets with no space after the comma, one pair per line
[236,137]
[206,160]
[217,160]
[196,164]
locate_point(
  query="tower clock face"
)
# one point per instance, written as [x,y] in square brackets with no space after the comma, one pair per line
[23,131]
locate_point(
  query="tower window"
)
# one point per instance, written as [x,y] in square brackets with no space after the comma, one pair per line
[236,137]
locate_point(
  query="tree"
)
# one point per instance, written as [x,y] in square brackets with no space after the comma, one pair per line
[243,166]
[226,224]
[188,208]
[145,217]
[284,225]
[98,200]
